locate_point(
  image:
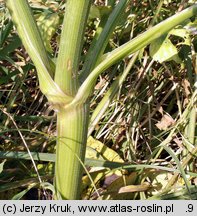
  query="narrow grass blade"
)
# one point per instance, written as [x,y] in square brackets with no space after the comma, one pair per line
[22,193]
[179,166]
[25,156]
[23,183]
[88,161]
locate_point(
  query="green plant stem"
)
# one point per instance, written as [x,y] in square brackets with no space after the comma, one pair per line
[72,122]
[29,33]
[71,42]
[71,146]
[22,16]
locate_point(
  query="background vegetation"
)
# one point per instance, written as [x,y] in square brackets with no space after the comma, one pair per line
[143,146]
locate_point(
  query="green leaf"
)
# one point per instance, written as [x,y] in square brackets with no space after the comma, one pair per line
[102,149]
[162,50]
[182,33]
[4,32]
[48,24]
[22,193]
[88,161]
[99,11]
[13,44]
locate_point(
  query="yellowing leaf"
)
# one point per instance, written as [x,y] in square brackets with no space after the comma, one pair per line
[96,175]
[103,150]
[135,188]
[92,153]
[113,191]
[182,33]
[158,178]
[104,180]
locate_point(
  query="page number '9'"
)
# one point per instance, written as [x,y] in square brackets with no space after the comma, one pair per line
[190,208]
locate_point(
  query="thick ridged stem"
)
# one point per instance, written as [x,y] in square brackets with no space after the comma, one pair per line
[72,122]
[72,37]
[72,127]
